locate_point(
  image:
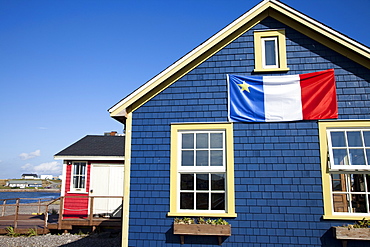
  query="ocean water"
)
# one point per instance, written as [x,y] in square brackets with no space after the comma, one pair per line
[31,196]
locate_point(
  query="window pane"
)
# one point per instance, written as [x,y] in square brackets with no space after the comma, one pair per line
[368,182]
[75,182]
[187,182]
[354,139]
[357,183]
[340,157]
[216,158]
[78,169]
[338,139]
[216,140]
[83,167]
[82,182]
[187,158]
[357,156]
[218,182]
[202,182]
[270,52]
[187,140]
[367,138]
[336,183]
[202,140]
[186,200]
[218,201]
[202,201]
[340,203]
[359,203]
[75,169]
[202,158]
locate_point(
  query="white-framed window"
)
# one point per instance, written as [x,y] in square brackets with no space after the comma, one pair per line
[345,157]
[349,149]
[79,171]
[270,54]
[202,170]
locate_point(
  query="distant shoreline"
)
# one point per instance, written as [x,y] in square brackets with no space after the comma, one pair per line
[30,190]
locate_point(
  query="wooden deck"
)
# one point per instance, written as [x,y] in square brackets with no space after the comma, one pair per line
[27,221]
[18,217]
[68,224]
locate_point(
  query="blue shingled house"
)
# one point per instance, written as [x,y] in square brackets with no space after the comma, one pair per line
[278,183]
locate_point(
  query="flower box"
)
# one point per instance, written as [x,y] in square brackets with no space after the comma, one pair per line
[202,229]
[199,229]
[348,233]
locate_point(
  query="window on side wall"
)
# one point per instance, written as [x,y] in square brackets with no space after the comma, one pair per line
[202,177]
[270,51]
[346,168]
[78,182]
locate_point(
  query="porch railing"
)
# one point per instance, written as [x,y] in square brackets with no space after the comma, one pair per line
[8,208]
[45,203]
[90,215]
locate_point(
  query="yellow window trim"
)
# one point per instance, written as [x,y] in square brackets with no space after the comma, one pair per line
[258,35]
[328,206]
[228,127]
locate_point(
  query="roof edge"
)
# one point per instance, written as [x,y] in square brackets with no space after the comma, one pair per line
[75,157]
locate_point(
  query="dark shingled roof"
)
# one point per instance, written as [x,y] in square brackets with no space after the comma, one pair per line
[94,145]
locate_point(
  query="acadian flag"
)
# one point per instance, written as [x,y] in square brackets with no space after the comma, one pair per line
[282,98]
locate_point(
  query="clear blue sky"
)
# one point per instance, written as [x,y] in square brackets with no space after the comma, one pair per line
[64,63]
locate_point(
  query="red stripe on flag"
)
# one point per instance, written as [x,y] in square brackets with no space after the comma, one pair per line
[319,97]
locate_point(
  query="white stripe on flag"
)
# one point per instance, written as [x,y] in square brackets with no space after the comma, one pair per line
[282,98]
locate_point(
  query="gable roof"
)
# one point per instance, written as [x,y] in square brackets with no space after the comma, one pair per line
[273,8]
[95,147]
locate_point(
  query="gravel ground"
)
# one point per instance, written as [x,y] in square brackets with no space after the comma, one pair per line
[105,239]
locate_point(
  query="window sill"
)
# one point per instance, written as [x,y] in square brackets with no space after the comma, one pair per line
[271,70]
[77,192]
[353,168]
[345,217]
[200,214]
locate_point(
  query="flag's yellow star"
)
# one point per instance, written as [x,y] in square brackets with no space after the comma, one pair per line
[244,86]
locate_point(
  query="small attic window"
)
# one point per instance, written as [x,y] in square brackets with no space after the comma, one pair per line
[270,51]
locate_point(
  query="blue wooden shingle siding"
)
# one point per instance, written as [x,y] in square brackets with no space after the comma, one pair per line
[278,189]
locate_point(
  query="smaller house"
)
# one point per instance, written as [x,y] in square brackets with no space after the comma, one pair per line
[29,176]
[93,172]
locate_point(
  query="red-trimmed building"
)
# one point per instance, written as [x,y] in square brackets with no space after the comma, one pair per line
[93,167]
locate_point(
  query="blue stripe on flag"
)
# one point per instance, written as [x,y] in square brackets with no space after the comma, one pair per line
[243,105]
